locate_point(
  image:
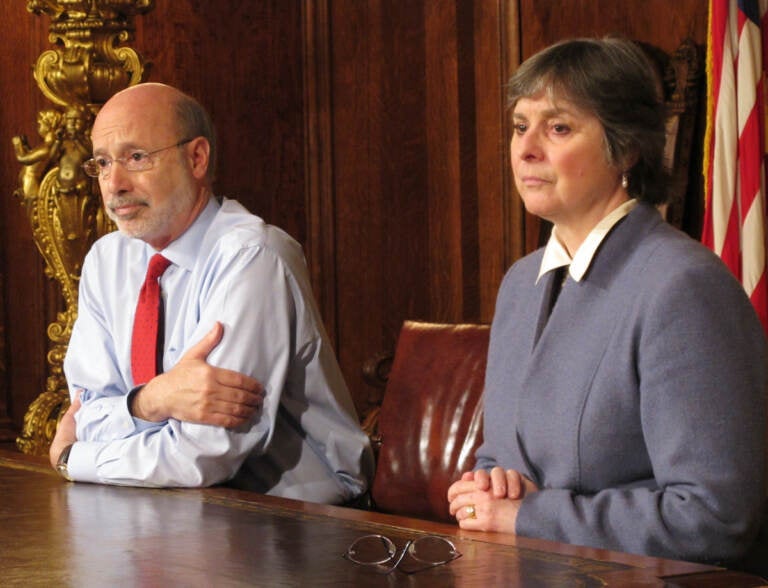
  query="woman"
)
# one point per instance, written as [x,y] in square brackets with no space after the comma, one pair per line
[631,417]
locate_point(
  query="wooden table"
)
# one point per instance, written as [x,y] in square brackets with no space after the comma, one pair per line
[55,533]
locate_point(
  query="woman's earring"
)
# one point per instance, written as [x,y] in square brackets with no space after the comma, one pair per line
[624,180]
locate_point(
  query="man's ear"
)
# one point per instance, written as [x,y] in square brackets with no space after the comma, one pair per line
[199,151]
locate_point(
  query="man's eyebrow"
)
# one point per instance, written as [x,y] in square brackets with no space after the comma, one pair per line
[121,149]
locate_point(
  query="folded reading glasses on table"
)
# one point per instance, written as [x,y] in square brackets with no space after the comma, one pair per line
[380,554]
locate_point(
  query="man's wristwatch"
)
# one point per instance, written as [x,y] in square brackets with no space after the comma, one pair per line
[61,464]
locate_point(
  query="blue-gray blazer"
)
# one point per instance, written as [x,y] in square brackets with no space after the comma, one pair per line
[639,406]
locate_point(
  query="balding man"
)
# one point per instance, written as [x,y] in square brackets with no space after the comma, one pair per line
[244,386]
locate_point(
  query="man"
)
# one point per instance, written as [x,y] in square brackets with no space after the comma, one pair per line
[238,310]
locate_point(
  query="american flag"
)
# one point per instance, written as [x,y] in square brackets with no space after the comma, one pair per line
[735,214]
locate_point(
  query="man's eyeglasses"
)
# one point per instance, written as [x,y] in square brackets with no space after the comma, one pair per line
[136,160]
[380,553]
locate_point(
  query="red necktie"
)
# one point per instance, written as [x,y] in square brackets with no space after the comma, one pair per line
[144,355]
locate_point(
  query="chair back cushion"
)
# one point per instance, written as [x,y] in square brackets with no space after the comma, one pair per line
[430,420]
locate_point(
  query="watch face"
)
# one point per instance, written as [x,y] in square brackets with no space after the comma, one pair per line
[62,469]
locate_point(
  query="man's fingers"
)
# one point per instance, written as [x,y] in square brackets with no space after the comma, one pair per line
[234,409]
[239,381]
[236,402]
[228,403]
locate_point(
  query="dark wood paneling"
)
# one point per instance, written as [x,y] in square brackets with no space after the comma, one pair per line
[499,214]
[417,96]
[372,130]
[243,60]
[659,22]
[444,141]
[318,158]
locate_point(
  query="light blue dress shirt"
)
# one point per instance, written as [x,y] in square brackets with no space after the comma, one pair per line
[232,267]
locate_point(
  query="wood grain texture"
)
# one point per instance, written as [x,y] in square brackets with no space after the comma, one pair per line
[660,23]
[373,131]
[420,168]
[55,533]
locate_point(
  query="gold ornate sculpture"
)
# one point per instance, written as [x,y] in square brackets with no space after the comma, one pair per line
[85,67]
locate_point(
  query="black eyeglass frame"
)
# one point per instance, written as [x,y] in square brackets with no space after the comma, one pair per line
[398,555]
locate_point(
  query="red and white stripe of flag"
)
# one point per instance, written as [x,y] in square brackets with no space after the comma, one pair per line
[735,214]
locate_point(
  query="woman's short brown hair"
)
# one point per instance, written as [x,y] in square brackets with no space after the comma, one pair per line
[612,79]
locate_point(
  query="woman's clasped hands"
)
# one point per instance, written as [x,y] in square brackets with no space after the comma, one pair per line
[489,501]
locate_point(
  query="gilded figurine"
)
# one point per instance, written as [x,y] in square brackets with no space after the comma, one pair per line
[36,159]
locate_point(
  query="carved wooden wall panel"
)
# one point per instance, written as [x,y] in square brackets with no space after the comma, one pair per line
[244,61]
[399,189]
[420,218]
[658,22]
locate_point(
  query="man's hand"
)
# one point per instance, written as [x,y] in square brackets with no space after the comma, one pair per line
[196,392]
[65,433]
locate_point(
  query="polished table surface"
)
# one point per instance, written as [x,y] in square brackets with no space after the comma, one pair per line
[55,533]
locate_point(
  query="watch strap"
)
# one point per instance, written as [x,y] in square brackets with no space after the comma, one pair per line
[61,463]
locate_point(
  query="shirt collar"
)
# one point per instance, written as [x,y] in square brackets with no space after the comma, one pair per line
[556,255]
[184,250]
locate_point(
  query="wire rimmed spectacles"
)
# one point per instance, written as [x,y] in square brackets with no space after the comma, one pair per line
[381,555]
[135,160]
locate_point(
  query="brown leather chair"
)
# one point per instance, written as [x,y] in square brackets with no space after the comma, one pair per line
[430,421]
